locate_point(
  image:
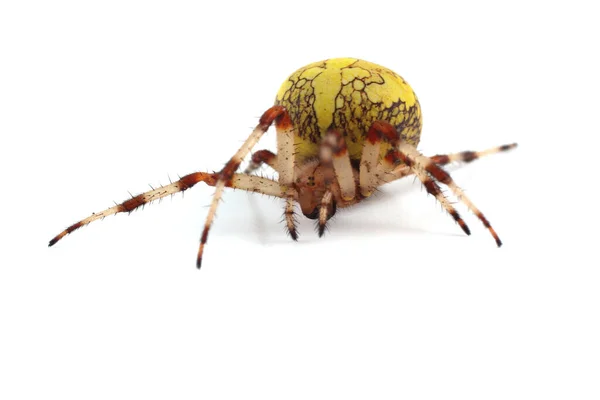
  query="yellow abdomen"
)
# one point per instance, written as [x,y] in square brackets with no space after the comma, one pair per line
[347,94]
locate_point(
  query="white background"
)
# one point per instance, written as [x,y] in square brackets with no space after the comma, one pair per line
[98,98]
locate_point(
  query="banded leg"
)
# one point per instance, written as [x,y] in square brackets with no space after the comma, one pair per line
[282,121]
[419,163]
[469,156]
[385,176]
[393,159]
[259,158]
[239,181]
[334,140]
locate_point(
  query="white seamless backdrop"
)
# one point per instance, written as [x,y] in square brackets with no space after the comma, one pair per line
[98,99]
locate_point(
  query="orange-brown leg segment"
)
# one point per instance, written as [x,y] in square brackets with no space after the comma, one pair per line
[238,181]
[259,158]
[276,114]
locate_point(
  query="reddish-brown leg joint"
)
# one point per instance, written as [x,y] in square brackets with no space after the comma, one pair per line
[381,130]
[263,157]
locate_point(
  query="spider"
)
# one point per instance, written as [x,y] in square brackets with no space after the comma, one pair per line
[344,127]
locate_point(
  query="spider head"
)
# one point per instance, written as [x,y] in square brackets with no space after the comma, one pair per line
[310,185]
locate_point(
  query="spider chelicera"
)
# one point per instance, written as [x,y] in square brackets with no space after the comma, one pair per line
[344,127]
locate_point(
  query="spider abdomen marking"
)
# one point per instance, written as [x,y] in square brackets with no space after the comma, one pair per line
[348,94]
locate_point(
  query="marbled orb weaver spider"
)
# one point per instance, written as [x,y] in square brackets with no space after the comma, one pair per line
[344,128]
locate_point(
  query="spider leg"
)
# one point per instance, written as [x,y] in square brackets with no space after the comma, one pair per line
[267,157]
[384,175]
[372,173]
[341,163]
[469,156]
[410,156]
[425,168]
[239,181]
[259,158]
[335,161]
[284,165]
[285,134]
[384,130]
[393,158]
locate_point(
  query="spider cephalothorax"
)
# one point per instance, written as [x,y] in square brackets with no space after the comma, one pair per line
[344,128]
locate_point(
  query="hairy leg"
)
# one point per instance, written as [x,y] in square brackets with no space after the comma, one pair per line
[239,181]
[385,175]
[383,130]
[469,156]
[276,114]
[420,164]
[267,157]
[285,168]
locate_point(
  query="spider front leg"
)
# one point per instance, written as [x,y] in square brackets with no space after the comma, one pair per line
[285,167]
[285,145]
[261,157]
[239,181]
[371,171]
